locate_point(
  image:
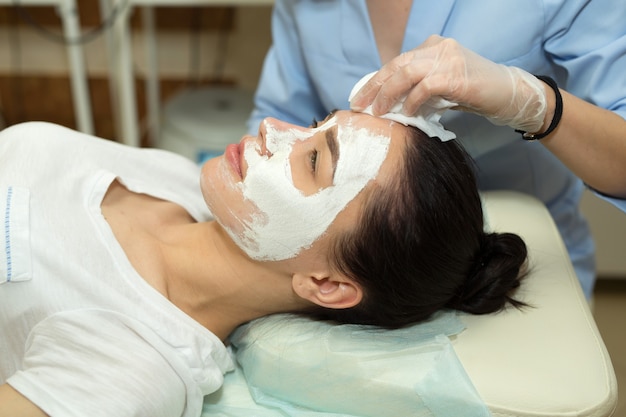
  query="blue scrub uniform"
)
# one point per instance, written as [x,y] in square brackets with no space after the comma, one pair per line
[321,48]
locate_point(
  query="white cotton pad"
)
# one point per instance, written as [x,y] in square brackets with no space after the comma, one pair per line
[426,119]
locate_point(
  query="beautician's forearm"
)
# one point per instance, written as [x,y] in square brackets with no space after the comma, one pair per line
[591,141]
[14,404]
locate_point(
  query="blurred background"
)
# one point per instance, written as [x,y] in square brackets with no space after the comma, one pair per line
[144,71]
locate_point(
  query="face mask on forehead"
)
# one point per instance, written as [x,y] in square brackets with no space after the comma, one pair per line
[285,221]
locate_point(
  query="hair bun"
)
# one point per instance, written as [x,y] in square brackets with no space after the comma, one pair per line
[495,274]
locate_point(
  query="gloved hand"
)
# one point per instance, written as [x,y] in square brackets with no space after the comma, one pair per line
[441,67]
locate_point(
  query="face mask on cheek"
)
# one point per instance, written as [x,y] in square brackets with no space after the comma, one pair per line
[284,221]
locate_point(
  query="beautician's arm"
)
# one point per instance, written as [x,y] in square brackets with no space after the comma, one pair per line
[590,141]
[14,404]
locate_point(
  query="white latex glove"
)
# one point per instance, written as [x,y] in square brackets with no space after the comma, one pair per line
[441,67]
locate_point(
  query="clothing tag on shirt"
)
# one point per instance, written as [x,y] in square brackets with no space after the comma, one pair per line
[15,253]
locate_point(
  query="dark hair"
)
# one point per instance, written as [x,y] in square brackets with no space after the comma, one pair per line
[421,247]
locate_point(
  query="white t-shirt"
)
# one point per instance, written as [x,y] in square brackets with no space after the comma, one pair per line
[81,333]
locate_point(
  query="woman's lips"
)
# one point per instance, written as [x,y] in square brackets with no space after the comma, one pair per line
[233,156]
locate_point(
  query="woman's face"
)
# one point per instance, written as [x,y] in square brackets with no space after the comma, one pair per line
[277,193]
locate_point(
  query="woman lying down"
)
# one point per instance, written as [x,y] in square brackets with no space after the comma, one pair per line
[123,275]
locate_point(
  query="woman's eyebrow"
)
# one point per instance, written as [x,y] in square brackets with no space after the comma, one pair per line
[331,114]
[333,147]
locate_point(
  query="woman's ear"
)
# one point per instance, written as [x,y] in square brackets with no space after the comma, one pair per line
[328,291]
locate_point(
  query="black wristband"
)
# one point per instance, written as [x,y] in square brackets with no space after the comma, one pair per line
[558,111]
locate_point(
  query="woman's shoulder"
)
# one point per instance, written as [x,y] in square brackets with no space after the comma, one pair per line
[41,136]
[34,129]
[25,128]
[56,141]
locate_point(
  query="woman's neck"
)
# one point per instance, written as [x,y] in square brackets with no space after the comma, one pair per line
[213,281]
[195,265]
[389,20]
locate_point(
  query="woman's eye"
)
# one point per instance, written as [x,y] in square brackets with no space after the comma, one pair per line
[313,160]
[314,123]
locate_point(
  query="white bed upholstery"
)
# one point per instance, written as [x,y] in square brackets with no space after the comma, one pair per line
[547,360]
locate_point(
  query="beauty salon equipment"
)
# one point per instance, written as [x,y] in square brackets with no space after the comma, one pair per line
[546,360]
[70,21]
[120,52]
[199,123]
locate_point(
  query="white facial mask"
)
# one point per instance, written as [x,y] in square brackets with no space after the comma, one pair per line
[286,221]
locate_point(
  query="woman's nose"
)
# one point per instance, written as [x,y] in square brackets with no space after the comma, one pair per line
[278,130]
[267,123]
[276,124]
